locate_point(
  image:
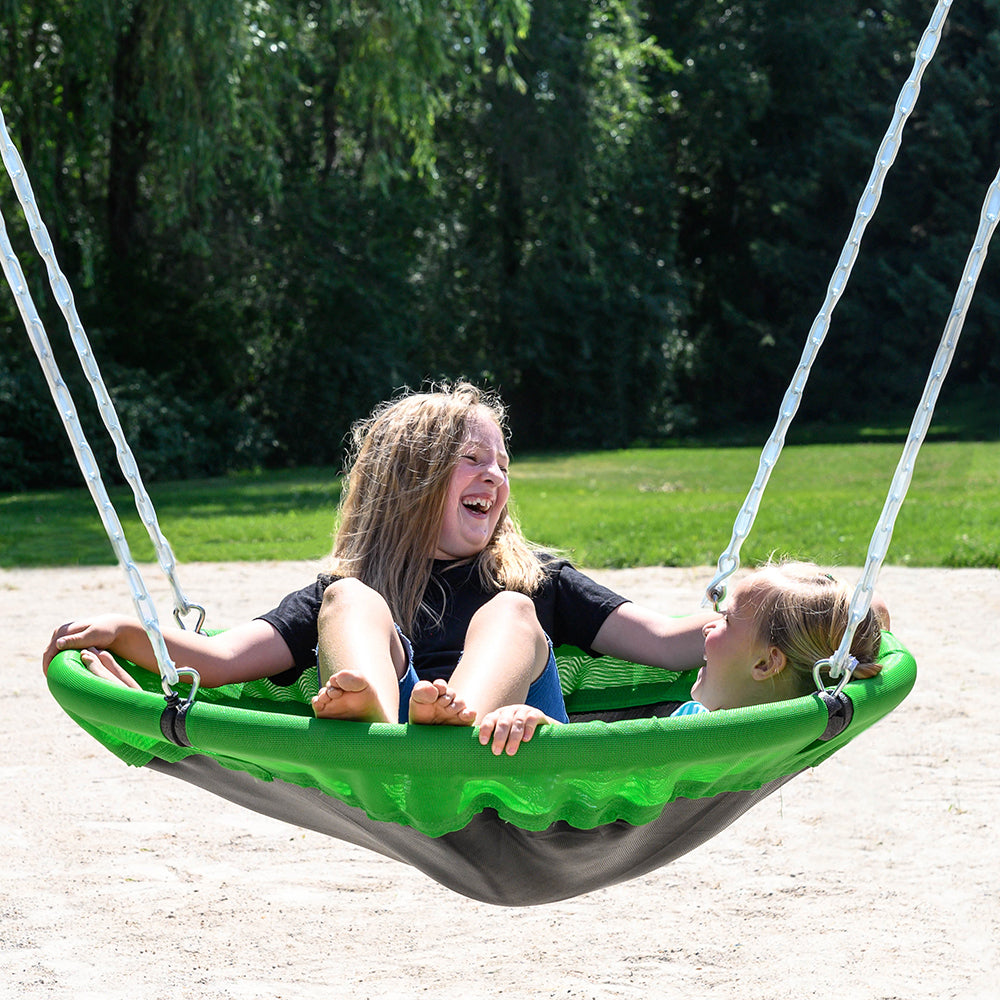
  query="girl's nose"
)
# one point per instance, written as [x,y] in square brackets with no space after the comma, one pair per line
[494,472]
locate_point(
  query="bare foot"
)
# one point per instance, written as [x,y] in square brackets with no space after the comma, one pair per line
[436,704]
[349,696]
[102,664]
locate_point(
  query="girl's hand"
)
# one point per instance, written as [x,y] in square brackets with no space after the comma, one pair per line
[99,633]
[511,725]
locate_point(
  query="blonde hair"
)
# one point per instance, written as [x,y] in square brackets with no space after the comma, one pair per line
[803,611]
[400,465]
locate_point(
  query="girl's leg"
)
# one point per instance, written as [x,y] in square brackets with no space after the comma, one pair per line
[362,654]
[505,651]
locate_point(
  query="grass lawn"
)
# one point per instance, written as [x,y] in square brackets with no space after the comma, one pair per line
[639,507]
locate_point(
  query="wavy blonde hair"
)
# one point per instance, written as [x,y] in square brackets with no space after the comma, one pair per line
[804,612]
[400,465]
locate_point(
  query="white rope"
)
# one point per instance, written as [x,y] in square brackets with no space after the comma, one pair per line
[879,546]
[64,297]
[729,561]
[144,606]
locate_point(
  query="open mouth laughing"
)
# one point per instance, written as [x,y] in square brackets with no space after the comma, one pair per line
[478,505]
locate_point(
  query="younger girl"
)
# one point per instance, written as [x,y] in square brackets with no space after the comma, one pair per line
[435,609]
[780,621]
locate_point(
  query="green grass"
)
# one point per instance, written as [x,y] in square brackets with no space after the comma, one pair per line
[279,515]
[822,502]
[637,507]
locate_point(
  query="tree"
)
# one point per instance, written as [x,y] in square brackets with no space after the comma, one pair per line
[771,153]
[554,256]
[173,141]
[621,213]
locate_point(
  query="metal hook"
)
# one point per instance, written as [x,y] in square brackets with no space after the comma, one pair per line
[191,607]
[844,673]
[169,692]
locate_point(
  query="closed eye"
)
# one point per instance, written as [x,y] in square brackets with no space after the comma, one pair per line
[476,460]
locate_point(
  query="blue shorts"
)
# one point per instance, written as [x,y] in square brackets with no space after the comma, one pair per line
[545,694]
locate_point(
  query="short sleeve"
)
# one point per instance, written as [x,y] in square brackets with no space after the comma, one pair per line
[295,619]
[572,607]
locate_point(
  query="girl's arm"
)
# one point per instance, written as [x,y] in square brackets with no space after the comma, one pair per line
[632,632]
[246,652]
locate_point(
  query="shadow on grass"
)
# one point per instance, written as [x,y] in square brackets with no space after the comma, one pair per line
[63,528]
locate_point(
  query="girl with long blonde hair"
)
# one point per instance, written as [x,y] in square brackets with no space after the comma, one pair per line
[435,609]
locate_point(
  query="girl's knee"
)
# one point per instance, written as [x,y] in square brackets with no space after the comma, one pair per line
[514,610]
[350,593]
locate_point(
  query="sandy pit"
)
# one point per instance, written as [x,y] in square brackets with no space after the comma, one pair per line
[875,876]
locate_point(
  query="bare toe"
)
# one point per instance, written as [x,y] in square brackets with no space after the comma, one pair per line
[102,664]
[436,704]
[349,696]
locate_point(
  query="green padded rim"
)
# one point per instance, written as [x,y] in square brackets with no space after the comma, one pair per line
[436,778]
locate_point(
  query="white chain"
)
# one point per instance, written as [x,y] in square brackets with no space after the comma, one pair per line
[879,546]
[68,413]
[729,561]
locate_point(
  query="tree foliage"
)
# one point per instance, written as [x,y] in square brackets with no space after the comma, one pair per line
[622,213]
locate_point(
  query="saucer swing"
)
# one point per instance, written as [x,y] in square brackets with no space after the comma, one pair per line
[616,793]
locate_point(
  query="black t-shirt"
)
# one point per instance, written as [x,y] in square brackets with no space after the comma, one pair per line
[571,608]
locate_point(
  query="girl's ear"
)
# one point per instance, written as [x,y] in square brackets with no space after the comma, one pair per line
[772,664]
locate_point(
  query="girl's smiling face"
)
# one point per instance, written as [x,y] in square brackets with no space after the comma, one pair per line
[736,658]
[477,492]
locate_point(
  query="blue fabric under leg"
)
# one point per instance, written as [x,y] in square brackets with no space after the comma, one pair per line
[408,680]
[545,692]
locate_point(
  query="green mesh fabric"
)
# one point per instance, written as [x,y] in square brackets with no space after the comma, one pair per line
[436,778]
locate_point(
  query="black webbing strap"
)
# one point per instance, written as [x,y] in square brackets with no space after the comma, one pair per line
[841,711]
[173,722]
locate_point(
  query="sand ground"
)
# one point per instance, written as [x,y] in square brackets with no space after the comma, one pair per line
[875,876]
